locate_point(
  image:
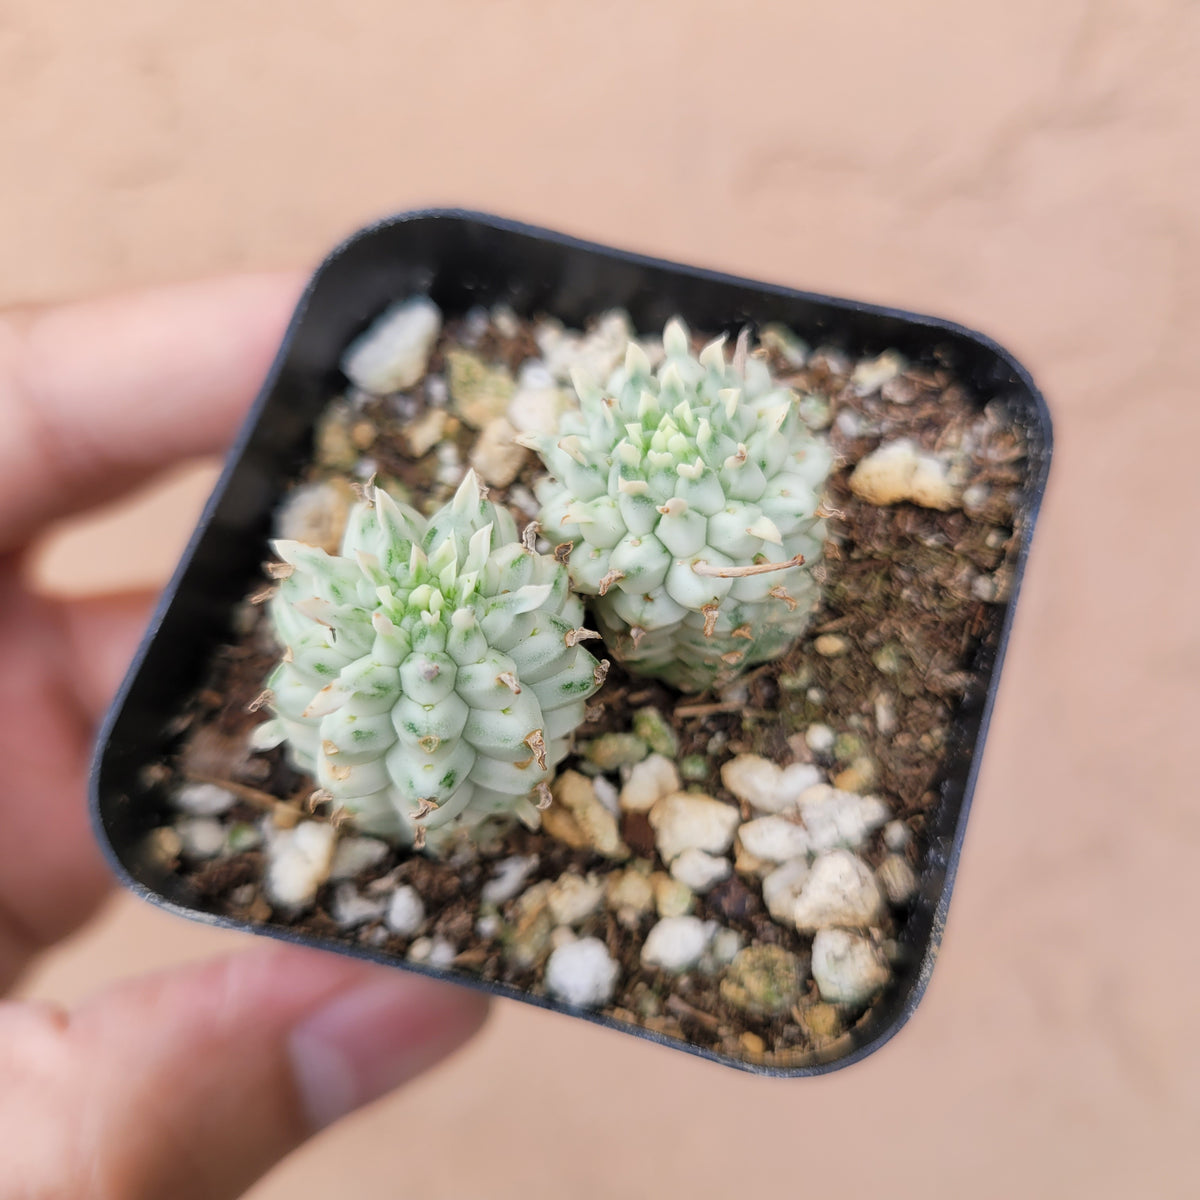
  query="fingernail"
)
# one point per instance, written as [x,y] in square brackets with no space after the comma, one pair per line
[371,1039]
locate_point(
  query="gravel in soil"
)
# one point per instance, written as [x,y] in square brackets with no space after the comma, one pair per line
[911,611]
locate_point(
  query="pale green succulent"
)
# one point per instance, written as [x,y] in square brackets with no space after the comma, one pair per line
[691,498]
[432,673]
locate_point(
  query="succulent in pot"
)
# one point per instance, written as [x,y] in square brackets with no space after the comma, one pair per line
[690,498]
[431,671]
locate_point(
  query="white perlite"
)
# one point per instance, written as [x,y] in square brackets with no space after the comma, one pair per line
[649,781]
[510,875]
[316,514]
[298,862]
[700,871]
[355,854]
[677,943]
[200,838]
[847,967]
[436,952]
[350,908]
[870,374]
[774,839]
[572,898]
[596,353]
[896,835]
[685,820]
[538,402]
[393,353]
[203,799]
[836,818]
[782,888]
[765,785]
[582,974]
[819,738]
[840,890]
[406,911]
[899,472]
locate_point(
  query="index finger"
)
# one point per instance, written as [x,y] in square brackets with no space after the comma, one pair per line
[97,396]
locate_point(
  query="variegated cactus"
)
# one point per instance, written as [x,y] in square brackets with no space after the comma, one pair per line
[432,673]
[690,496]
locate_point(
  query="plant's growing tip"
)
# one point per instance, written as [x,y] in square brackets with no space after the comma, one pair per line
[431,674]
[689,496]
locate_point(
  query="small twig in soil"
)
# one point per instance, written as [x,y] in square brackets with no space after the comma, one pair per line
[251,795]
[719,706]
[681,1008]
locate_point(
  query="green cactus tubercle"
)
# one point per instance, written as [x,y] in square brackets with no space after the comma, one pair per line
[690,496]
[432,672]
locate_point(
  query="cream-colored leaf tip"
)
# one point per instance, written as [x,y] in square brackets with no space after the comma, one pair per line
[431,672]
[690,497]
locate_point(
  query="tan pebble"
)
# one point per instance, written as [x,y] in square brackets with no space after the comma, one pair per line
[821,1020]
[421,435]
[857,777]
[753,1044]
[829,645]
[496,456]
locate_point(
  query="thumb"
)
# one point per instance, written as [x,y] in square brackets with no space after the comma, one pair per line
[192,1084]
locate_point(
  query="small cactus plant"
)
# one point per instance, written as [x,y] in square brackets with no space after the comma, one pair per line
[690,497]
[432,672]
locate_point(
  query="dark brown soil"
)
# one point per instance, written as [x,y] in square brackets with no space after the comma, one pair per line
[915,594]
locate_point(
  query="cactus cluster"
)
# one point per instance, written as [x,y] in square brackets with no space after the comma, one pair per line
[690,498]
[432,671]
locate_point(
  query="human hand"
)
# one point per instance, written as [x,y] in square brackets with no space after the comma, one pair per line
[190,1084]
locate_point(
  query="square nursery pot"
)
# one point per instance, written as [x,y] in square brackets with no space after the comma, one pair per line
[463,260]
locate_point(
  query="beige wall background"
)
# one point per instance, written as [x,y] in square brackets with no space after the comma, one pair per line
[1027,168]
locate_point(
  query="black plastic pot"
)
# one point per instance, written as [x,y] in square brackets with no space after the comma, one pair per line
[462,259]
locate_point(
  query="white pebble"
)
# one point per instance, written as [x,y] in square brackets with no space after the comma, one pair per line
[774,839]
[355,854]
[203,799]
[393,353]
[510,876]
[406,911]
[582,974]
[795,781]
[298,862]
[782,888]
[350,908]
[538,402]
[200,837]
[436,952]
[649,781]
[487,927]
[754,779]
[840,890]
[677,943]
[847,967]
[836,818]
[725,946]
[685,819]
[896,835]
[819,738]
[700,871]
